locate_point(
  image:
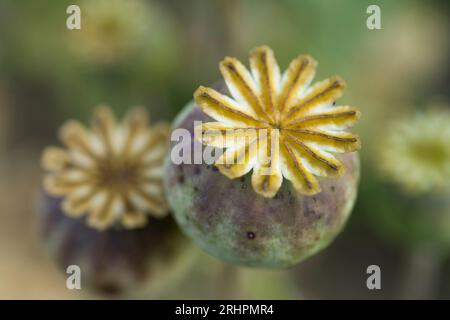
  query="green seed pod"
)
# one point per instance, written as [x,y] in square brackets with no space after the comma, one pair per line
[282,130]
[229,220]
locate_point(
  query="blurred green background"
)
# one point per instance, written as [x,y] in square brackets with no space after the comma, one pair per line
[156,53]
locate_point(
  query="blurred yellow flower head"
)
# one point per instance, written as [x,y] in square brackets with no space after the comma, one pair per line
[416,152]
[113,172]
[111,29]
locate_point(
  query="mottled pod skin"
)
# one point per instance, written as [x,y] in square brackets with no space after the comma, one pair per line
[115,261]
[229,220]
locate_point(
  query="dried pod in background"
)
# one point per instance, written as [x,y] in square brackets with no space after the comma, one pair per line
[103,207]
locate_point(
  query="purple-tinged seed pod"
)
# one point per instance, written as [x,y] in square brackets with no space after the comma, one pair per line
[229,220]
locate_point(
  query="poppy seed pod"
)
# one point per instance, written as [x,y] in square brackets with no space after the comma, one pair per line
[290,206]
[117,261]
[103,207]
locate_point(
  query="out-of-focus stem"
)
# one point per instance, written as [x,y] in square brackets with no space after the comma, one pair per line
[228,278]
[422,273]
[232,24]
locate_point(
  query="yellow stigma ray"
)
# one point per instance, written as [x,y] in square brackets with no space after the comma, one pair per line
[309,126]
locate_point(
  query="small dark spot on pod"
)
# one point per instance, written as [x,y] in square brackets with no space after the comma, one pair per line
[196,189]
[251,235]
[242,179]
[334,103]
[314,199]
[180,179]
[332,188]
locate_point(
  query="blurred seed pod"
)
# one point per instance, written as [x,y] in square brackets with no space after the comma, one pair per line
[114,30]
[103,206]
[414,160]
[415,153]
[143,262]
